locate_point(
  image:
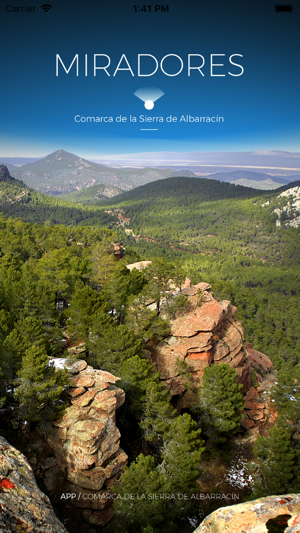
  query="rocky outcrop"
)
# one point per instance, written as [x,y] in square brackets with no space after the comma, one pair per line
[4,173]
[140,265]
[206,334]
[287,211]
[23,507]
[118,251]
[255,516]
[86,440]
[6,177]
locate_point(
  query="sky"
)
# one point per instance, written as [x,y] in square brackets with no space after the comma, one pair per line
[260,108]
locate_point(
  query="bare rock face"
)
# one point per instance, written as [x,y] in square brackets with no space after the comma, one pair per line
[23,507]
[253,517]
[205,334]
[139,265]
[258,360]
[86,440]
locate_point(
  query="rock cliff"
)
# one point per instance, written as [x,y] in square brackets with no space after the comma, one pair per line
[86,440]
[206,334]
[256,517]
[23,507]
[288,214]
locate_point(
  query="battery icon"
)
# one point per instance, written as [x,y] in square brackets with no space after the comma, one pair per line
[284,9]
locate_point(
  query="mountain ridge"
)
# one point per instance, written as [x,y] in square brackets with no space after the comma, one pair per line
[19,200]
[62,172]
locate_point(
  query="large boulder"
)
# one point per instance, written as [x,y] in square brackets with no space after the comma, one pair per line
[23,507]
[255,516]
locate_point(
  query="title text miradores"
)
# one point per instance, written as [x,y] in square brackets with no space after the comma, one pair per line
[194,62]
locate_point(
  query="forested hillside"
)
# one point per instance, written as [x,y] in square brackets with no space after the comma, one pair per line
[221,233]
[92,195]
[18,200]
[61,285]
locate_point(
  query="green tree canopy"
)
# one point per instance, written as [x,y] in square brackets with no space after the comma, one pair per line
[102,262]
[84,305]
[159,493]
[286,393]
[181,453]
[136,375]
[157,411]
[134,507]
[40,389]
[144,321]
[220,402]
[163,277]
[278,464]
[110,345]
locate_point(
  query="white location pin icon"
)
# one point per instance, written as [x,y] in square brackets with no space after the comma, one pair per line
[149,95]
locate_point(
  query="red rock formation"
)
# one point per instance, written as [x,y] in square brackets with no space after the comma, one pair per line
[207,333]
[118,251]
[258,360]
[86,440]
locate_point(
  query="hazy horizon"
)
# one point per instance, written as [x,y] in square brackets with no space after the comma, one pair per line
[271,162]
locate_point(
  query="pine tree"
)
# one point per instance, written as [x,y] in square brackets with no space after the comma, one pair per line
[4,327]
[185,373]
[137,280]
[59,270]
[84,304]
[163,277]
[102,262]
[181,453]
[117,292]
[157,412]
[12,351]
[32,333]
[286,393]
[176,306]
[153,496]
[40,389]
[38,299]
[134,505]
[110,345]
[220,402]
[278,464]
[144,322]
[136,375]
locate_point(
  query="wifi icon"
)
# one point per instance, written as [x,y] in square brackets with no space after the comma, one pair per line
[46,7]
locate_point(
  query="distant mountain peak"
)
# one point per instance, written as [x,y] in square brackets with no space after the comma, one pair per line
[264,152]
[60,154]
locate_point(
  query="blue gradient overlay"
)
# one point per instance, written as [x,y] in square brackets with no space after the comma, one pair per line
[261,108]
